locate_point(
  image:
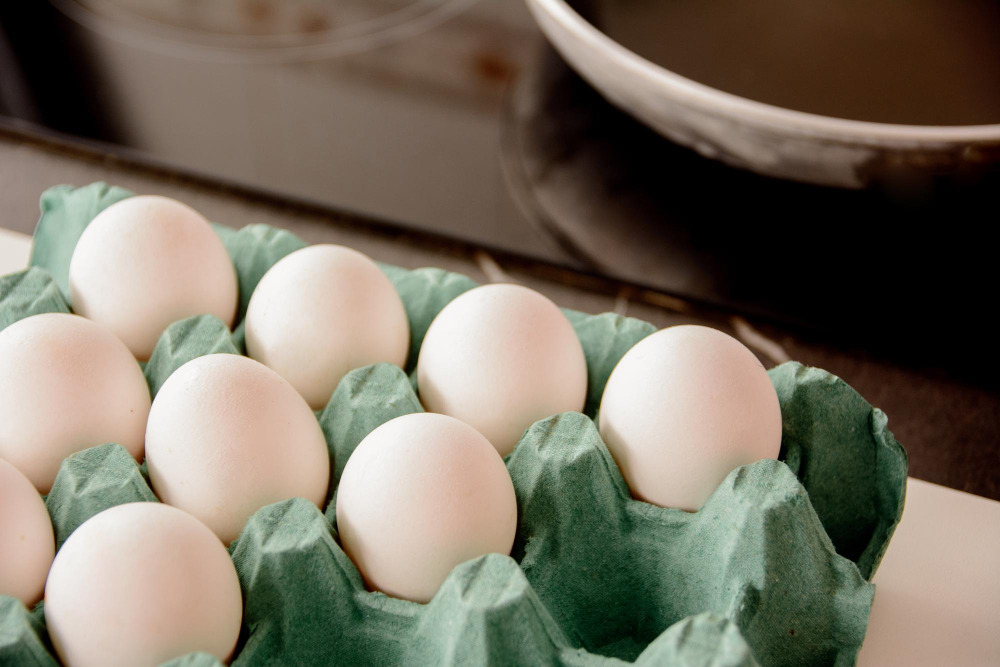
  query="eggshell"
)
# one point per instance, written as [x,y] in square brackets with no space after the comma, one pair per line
[321,312]
[146,262]
[227,436]
[66,384]
[27,543]
[682,409]
[501,357]
[141,584]
[420,495]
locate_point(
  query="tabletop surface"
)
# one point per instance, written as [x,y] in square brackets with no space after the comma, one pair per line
[938,589]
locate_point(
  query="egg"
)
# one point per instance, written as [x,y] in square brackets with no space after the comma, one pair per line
[146,262]
[226,436]
[66,384]
[141,584]
[323,311]
[421,494]
[27,543]
[501,357]
[682,409]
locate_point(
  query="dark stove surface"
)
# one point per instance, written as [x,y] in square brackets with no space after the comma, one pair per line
[455,117]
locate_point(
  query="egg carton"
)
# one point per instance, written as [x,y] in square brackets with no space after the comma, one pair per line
[775,569]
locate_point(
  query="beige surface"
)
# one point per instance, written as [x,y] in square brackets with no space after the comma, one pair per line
[938,596]
[14,251]
[937,599]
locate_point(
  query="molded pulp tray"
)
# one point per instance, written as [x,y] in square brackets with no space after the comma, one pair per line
[774,570]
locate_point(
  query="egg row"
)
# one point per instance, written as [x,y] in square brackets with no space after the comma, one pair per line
[142,583]
[148,261]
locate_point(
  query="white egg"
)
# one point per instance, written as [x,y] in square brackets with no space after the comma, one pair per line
[66,384]
[323,311]
[227,436]
[146,262]
[420,495]
[27,543]
[682,409]
[501,357]
[141,584]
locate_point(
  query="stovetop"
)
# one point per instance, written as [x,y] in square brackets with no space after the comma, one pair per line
[456,117]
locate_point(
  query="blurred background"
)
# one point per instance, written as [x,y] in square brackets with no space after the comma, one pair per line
[456,118]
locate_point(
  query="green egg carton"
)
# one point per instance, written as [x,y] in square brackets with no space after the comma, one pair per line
[775,570]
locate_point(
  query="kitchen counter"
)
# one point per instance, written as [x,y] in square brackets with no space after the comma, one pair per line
[939,586]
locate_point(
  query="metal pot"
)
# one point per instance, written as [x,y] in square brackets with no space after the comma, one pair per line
[760,137]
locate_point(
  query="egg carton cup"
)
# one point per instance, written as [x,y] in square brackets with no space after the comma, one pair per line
[775,570]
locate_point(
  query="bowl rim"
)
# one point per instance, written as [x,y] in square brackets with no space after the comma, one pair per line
[744,110]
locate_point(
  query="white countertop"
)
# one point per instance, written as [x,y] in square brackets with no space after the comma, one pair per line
[15,248]
[937,601]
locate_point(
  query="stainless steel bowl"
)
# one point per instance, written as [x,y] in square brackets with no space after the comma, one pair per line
[760,137]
